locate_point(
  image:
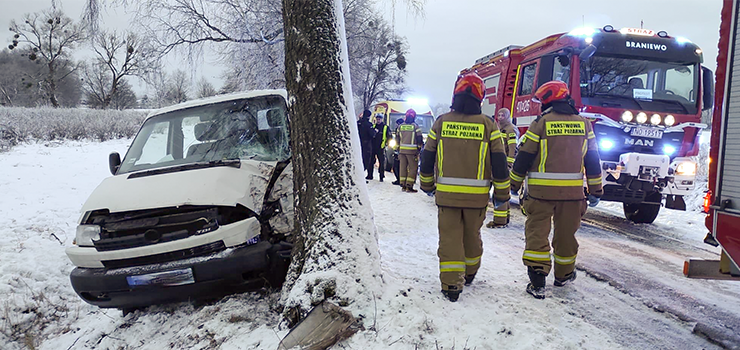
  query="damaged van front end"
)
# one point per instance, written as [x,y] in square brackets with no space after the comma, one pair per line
[201,206]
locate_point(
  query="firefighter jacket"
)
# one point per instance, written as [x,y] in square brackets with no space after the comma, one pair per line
[410,138]
[509,136]
[554,154]
[469,155]
[382,135]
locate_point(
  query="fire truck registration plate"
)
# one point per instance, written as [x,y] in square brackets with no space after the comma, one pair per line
[167,278]
[649,133]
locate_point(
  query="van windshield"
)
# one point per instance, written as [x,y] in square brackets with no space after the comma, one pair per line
[425,121]
[254,128]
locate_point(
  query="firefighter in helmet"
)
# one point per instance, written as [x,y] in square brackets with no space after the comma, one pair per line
[411,141]
[554,154]
[463,156]
[509,134]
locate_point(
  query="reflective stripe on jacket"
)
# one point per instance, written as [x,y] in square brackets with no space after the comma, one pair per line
[555,154]
[466,153]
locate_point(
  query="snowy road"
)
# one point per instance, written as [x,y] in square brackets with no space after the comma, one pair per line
[630,293]
[633,288]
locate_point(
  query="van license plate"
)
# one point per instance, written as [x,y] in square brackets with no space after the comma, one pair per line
[649,133]
[163,279]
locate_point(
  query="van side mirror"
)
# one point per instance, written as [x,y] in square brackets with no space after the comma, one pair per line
[586,53]
[114,162]
[707,88]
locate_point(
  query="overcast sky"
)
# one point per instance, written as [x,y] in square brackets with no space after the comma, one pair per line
[454,33]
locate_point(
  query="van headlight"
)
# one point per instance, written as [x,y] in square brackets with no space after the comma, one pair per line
[86,234]
[686,168]
[392,143]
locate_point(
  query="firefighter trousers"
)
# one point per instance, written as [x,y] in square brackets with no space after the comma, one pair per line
[501,214]
[409,167]
[460,245]
[566,219]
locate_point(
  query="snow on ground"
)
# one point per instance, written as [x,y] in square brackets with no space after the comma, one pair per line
[44,185]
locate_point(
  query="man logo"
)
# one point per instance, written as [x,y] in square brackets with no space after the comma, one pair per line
[639,142]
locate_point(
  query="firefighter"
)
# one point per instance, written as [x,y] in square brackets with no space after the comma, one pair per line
[396,161]
[509,134]
[382,133]
[556,150]
[410,141]
[463,156]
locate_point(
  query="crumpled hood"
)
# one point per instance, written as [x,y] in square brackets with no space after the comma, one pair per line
[222,186]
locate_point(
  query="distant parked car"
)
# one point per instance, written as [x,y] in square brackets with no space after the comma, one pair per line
[201,206]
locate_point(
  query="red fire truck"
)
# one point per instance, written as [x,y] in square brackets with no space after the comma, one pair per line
[722,201]
[644,91]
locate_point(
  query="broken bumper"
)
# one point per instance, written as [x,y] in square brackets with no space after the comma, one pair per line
[231,270]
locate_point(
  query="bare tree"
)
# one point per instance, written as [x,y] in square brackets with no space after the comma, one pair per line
[23,82]
[188,24]
[205,88]
[178,87]
[124,98]
[118,57]
[49,36]
[380,73]
[97,86]
[157,82]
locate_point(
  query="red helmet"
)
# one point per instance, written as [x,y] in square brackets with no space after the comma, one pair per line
[411,113]
[551,91]
[470,84]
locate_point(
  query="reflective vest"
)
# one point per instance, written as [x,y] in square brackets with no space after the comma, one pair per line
[385,136]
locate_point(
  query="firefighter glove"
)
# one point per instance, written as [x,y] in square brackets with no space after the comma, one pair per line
[593,200]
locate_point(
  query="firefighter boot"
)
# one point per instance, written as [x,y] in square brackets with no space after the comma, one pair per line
[469,279]
[410,188]
[559,282]
[451,293]
[492,224]
[536,286]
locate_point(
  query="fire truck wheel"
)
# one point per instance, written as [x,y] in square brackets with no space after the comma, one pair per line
[641,213]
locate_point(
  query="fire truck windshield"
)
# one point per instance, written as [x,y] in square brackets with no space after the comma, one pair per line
[638,83]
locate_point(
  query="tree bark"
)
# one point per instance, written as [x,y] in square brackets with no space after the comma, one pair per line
[336,252]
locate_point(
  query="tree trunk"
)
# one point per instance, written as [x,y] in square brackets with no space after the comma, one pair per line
[336,252]
[52,86]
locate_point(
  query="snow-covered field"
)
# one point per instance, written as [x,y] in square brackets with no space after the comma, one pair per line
[43,186]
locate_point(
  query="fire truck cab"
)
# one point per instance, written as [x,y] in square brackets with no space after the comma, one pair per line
[643,90]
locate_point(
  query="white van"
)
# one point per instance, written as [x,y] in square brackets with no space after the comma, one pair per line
[201,206]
